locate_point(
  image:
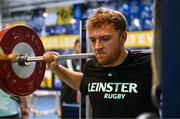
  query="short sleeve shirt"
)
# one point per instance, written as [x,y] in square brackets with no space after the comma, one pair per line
[120,91]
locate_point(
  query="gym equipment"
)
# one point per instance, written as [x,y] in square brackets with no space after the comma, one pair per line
[156,56]
[22,65]
[26,58]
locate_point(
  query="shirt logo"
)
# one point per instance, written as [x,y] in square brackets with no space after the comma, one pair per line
[109,74]
[113,90]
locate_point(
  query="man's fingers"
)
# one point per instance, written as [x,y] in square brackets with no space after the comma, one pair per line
[51,56]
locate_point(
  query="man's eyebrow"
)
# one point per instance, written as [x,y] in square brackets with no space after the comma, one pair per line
[91,37]
[105,36]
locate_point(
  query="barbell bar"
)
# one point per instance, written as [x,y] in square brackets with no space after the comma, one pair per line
[62,57]
[26,58]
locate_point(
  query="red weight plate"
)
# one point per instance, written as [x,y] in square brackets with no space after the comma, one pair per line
[10,81]
[1,73]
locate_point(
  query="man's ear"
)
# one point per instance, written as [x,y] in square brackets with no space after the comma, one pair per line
[123,37]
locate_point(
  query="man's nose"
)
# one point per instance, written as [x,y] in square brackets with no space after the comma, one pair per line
[98,44]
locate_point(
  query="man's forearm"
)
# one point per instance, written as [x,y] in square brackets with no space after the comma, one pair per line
[71,78]
[24,107]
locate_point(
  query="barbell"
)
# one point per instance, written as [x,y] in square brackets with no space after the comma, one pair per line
[22,66]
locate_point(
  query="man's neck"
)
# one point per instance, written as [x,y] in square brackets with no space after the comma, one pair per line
[120,60]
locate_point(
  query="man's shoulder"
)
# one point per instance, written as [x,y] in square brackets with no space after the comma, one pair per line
[91,62]
[92,65]
[140,56]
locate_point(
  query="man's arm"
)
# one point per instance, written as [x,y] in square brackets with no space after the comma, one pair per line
[24,107]
[71,78]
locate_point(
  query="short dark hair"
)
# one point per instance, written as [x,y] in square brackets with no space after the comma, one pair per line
[76,41]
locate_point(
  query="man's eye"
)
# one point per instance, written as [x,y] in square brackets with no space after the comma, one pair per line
[93,40]
[105,39]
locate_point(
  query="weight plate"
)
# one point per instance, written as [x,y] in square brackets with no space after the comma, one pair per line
[17,78]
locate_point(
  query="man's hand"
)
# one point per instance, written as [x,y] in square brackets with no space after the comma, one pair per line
[52,59]
[25,113]
[24,107]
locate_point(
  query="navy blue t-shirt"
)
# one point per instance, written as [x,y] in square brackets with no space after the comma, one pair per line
[120,91]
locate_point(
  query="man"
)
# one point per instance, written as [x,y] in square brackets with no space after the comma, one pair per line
[117,81]
[69,95]
[13,106]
